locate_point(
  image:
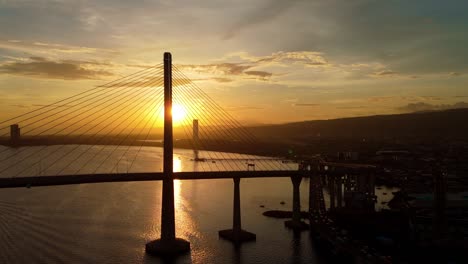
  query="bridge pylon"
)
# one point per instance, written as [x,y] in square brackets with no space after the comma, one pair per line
[168,244]
[196,140]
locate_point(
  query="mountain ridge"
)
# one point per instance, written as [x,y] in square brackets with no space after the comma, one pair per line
[444,124]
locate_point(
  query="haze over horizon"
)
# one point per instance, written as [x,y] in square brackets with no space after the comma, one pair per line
[264,61]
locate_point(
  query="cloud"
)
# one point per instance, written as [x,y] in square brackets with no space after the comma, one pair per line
[49,48]
[260,74]
[216,79]
[245,68]
[431,97]
[421,107]
[381,98]
[351,107]
[306,58]
[222,80]
[260,15]
[306,105]
[227,69]
[220,68]
[43,68]
[455,74]
[20,105]
[385,73]
[243,108]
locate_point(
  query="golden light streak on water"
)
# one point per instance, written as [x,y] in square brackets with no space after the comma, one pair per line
[186,227]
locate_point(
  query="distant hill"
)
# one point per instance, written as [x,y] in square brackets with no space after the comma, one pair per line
[440,125]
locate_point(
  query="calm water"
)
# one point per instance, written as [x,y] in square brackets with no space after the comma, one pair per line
[111,222]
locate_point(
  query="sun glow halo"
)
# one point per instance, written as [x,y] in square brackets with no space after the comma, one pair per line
[178,113]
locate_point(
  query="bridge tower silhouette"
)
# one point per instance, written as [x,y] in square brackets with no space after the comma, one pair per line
[168,244]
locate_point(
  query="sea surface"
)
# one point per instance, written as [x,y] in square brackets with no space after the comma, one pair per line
[112,222]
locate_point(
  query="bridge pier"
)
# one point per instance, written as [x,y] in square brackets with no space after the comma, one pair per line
[339,192]
[196,140]
[331,189]
[236,234]
[168,245]
[296,223]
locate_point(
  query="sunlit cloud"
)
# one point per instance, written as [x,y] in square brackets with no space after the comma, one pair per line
[43,68]
[263,75]
[422,106]
[306,105]
[385,73]
[455,74]
[258,15]
[243,108]
[49,48]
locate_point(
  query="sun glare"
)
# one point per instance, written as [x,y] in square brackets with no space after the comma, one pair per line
[178,113]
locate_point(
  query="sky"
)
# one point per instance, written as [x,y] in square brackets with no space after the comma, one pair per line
[264,61]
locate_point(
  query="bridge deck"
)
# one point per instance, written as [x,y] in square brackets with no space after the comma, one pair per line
[126,177]
[335,169]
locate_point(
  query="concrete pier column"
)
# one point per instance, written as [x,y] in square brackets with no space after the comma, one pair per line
[312,181]
[296,181]
[168,245]
[196,139]
[296,223]
[339,192]
[331,188]
[371,190]
[236,234]
[236,214]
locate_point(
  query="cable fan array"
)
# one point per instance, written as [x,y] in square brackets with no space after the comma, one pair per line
[221,131]
[112,124]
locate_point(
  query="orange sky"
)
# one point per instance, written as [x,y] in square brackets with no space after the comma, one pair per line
[263,61]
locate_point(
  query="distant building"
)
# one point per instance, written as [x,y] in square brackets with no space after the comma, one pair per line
[455,215]
[392,154]
[348,155]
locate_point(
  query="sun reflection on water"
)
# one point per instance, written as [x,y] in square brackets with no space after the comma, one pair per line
[177,167]
[177,164]
[186,227]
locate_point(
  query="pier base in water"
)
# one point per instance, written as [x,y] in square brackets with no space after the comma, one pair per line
[168,248]
[237,236]
[296,223]
[296,226]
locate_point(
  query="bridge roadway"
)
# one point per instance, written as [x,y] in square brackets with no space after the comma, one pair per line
[144,176]
[335,169]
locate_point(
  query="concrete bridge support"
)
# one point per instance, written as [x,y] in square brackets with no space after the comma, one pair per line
[196,140]
[168,245]
[331,189]
[296,223]
[236,234]
[339,192]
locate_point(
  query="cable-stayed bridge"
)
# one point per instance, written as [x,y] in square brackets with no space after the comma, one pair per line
[108,134]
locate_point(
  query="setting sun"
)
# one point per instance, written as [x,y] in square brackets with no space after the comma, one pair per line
[178,113]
